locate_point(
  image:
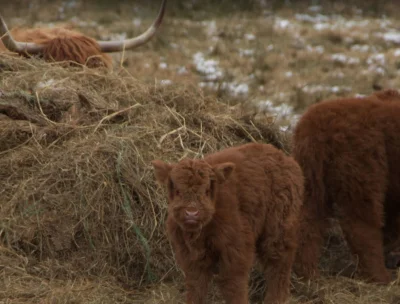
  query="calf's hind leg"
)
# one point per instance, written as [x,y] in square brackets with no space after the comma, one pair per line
[311,237]
[359,183]
[361,218]
[366,241]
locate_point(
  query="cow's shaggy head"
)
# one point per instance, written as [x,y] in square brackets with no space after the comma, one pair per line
[60,44]
[192,187]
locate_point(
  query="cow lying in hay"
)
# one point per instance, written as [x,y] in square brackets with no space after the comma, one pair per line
[349,150]
[225,208]
[60,44]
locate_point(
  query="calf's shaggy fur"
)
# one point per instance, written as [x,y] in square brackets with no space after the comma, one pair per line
[349,150]
[227,207]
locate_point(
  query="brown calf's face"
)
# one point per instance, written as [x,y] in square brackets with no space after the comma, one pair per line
[192,187]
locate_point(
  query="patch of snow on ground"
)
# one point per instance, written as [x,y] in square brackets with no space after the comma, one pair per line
[384,23]
[137,22]
[280,111]
[288,74]
[319,18]
[317,49]
[338,74]
[282,24]
[233,88]
[293,121]
[246,52]
[361,48]
[355,23]
[237,89]
[115,36]
[374,69]
[342,58]
[250,37]
[322,26]
[359,95]
[315,8]
[64,5]
[376,64]
[321,88]
[182,70]
[377,59]
[209,85]
[396,52]
[207,67]
[211,27]
[391,37]
[166,82]
[336,22]
[82,23]
[162,65]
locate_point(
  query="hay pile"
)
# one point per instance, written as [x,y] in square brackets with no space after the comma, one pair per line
[78,197]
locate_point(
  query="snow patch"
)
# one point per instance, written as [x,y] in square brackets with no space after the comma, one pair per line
[391,37]
[246,52]
[250,37]
[311,89]
[162,65]
[166,82]
[208,67]
[342,58]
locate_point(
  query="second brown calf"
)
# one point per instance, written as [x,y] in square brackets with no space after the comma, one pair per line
[349,150]
[226,208]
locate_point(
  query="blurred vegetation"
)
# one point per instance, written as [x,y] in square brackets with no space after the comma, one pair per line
[190,8]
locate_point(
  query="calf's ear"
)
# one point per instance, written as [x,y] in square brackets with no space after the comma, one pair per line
[161,171]
[223,171]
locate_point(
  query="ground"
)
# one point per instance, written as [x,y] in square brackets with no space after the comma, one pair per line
[273,62]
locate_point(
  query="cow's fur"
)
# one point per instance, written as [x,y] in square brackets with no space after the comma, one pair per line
[349,150]
[248,199]
[63,45]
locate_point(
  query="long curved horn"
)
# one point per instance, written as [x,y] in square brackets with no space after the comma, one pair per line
[118,46]
[16,46]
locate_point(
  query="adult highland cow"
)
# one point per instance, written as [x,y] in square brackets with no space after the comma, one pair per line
[59,44]
[349,150]
[225,208]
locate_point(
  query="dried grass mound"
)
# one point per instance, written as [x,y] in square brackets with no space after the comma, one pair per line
[78,196]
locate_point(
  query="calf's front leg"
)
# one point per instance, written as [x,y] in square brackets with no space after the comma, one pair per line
[233,275]
[197,281]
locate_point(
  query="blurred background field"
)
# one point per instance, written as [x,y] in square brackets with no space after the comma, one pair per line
[81,218]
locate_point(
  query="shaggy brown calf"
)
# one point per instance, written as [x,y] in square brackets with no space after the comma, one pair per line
[225,208]
[60,44]
[349,150]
